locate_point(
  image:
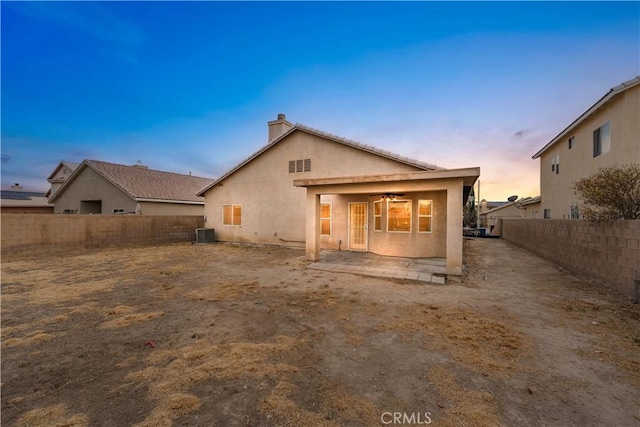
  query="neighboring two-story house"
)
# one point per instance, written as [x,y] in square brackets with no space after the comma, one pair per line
[59,175]
[607,134]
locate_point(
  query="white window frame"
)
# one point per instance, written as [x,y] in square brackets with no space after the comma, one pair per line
[389,203]
[602,145]
[330,218]
[233,206]
[430,216]
[377,203]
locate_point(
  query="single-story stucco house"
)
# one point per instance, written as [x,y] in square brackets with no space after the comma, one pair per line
[17,200]
[96,187]
[308,187]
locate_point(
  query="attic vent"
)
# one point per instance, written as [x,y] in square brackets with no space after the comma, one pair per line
[302,165]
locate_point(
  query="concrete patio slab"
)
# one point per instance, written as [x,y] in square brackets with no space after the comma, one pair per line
[429,270]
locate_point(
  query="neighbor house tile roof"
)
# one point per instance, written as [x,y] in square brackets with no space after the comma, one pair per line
[143,184]
[613,92]
[331,137]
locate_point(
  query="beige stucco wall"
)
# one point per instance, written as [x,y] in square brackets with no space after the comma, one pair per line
[532,210]
[578,162]
[413,244]
[273,209]
[89,185]
[433,244]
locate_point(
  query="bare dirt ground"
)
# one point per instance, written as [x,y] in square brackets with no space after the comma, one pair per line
[219,335]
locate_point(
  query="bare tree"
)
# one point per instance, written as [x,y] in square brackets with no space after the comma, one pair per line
[611,193]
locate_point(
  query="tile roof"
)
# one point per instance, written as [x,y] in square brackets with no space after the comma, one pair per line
[329,136]
[141,183]
[606,98]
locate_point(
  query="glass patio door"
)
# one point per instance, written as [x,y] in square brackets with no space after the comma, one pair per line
[358,227]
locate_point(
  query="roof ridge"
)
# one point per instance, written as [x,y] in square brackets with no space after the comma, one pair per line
[147,169]
[339,139]
[370,148]
[605,98]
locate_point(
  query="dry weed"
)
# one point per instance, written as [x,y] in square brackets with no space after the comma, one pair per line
[171,373]
[337,406]
[52,416]
[130,319]
[467,407]
[479,343]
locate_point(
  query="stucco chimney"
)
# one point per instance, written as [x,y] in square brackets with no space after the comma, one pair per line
[278,127]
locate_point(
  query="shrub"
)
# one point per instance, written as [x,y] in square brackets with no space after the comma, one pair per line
[611,193]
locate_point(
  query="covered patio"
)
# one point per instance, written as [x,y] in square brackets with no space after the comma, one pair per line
[453,185]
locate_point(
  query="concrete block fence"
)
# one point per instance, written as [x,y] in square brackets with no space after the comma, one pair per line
[23,234]
[606,250]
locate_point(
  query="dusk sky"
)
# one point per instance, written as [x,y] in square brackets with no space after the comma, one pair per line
[189,86]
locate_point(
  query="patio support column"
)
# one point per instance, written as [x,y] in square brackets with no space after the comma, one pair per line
[313,226]
[454,228]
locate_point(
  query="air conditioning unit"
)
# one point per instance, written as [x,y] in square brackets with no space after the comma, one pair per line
[204,235]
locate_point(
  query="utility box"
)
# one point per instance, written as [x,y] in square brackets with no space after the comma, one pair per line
[204,235]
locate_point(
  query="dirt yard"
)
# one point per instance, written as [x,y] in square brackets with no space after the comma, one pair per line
[220,335]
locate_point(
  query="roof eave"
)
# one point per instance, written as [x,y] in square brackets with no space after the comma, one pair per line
[299,127]
[182,202]
[613,92]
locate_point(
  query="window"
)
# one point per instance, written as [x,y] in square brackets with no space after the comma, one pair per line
[602,139]
[325,219]
[575,213]
[118,211]
[377,216]
[399,216]
[547,213]
[424,216]
[302,165]
[555,164]
[571,141]
[232,214]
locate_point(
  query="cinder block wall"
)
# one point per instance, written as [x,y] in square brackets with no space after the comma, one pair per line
[40,234]
[607,250]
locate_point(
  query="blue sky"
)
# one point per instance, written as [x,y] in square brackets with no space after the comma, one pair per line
[190,86]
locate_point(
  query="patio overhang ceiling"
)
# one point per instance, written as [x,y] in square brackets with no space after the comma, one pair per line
[393,183]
